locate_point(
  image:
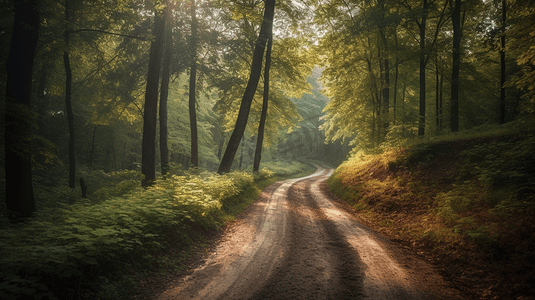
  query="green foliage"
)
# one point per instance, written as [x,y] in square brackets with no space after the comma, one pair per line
[473,187]
[59,248]
[504,165]
[284,169]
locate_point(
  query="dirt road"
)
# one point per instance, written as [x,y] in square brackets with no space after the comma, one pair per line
[295,242]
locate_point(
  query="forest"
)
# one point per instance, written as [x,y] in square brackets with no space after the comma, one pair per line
[127,121]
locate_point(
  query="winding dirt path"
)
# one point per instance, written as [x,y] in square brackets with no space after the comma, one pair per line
[296,243]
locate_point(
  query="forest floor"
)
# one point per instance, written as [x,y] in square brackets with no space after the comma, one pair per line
[298,241]
[464,205]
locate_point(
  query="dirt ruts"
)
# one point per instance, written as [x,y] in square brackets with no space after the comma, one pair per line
[295,242]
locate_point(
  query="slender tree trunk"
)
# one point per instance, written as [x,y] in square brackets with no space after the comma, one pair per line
[164,92]
[386,66]
[92,151]
[241,152]
[260,141]
[148,144]
[40,107]
[256,69]
[394,100]
[373,118]
[403,106]
[502,63]
[20,199]
[380,122]
[192,87]
[456,20]
[441,100]
[422,25]
[68,101]
[386,95]
[114,157]
[437,98]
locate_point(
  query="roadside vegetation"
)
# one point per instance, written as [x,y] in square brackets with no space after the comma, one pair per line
[465,202]
[104,246]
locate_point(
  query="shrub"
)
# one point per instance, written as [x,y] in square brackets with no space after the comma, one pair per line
[61,248]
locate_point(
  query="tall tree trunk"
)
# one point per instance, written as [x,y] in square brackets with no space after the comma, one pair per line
[241,154]
[456,20]
[68,101]
[394,100]
[92,150]
[386,65]
[437,98]
[403,106]
[386,94]
[502,63]
[260,141]
[20,199]
[148,144]
[422,25]
[256,69]
[41,96]
[441,101]
[192,88]
[164,92]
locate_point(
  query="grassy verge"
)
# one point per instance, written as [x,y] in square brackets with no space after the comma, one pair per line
[467,205]
[122,236]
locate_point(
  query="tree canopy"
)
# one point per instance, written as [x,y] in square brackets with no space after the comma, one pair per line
[384,73]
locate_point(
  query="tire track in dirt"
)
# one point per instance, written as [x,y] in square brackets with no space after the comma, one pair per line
[295,242]
[319,264]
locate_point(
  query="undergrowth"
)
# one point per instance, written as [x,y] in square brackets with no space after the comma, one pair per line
[80,248]
[468,203]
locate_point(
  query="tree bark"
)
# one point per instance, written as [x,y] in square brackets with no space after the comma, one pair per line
[386,62]
[20,199]
[263,115]
[192,89]
[92,151]
[456,20]
[256,69]
[70,118]
[148,144]
[502,63]
[41,96]
[68,100]
[241,154]
[422,25]
[164,93]
[437,98]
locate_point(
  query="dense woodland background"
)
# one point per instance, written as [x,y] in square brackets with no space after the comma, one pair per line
[100,97]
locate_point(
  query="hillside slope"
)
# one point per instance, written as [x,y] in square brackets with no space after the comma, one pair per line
[466,205]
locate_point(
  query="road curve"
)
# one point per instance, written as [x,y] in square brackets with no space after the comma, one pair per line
[295,242]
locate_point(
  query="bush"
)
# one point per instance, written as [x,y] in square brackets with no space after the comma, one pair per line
[61,248]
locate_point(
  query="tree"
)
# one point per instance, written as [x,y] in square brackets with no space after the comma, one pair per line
[68,97]
[421,18]
[250,90]
[522,44]
[260,140]
[192,88]
[18,161]
[148,143]
[164,91]
[456,21]
[421,25]
[502,62]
